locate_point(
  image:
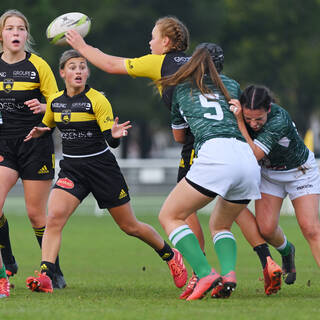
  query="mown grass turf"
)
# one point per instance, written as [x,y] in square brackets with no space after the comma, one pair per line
[113,276]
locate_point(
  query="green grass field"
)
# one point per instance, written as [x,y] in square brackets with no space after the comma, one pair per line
[113,276]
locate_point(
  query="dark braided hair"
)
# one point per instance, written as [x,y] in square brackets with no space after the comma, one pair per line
[256,97]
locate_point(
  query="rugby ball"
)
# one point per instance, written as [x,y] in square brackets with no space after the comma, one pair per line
[59,26]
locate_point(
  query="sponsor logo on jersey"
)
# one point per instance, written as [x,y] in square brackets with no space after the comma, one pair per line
[24,74]
[122,194]
[8,85]
[43,170]
[181,60]
[65,183]
[56,106]
[81,105]
[108,119]
[3,74]
[1,158]
[66,116]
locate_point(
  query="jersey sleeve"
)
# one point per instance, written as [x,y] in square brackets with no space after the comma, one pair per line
[148,66]
[177,120]
[102,110]
[48,118]
[48,84]
[271,134]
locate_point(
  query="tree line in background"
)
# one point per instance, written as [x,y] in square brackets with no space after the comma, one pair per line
[271,42]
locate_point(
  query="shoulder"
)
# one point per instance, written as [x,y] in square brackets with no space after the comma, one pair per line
[36,60]
[55,96]
[96,96]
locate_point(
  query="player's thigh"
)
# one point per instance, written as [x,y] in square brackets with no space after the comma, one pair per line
[36,193]
[183,200]
[8,178]
[61,205]
[224,214]
[307,212]
[267,211]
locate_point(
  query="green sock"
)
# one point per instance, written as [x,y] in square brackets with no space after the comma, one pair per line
[187,243]
[226,249]
[3,272]
[286,250]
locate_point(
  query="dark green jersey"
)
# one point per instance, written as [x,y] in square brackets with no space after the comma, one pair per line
[280,141]
[207,116]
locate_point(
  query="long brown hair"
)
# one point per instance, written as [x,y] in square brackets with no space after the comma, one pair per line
[194,70]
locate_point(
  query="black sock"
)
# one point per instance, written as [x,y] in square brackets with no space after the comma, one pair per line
[263,252]
[166,252]
[39,235]
[48,268]
[5,244]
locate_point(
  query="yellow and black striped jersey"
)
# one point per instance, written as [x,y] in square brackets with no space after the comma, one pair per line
[31,78]
[81,120]
[154,67]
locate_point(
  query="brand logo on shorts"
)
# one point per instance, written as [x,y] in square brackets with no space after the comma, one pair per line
[43,170]
[66,116]
[122,194]
[305,187]
[65,183]
[1,158]
[8,85]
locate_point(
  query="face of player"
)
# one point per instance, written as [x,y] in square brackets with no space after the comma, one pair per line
[255,118]
[158,44]
[75,74]
[14,35]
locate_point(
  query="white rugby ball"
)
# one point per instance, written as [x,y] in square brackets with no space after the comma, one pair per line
[59,26]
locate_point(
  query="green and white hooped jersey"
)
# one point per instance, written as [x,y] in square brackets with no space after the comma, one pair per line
[280,141]
[207,116]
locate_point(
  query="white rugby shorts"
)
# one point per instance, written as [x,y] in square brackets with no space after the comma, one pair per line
[227,167]
[295,182]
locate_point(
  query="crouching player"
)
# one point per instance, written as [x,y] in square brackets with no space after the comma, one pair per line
[84,117]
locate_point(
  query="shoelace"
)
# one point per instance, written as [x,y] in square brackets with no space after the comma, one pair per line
[175,268]
[192,282]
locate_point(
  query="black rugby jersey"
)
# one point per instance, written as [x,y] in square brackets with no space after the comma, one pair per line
[154,67]
[81,120]
[28,79]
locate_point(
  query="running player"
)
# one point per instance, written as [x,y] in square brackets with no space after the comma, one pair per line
[224,166]
[170,39]
[85,119]
[24,79]
[288,167]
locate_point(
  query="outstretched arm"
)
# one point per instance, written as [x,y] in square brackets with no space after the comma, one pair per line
[236,108]
[103,61]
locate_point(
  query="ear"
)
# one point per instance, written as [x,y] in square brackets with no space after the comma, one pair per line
[166,42]
[62,73]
